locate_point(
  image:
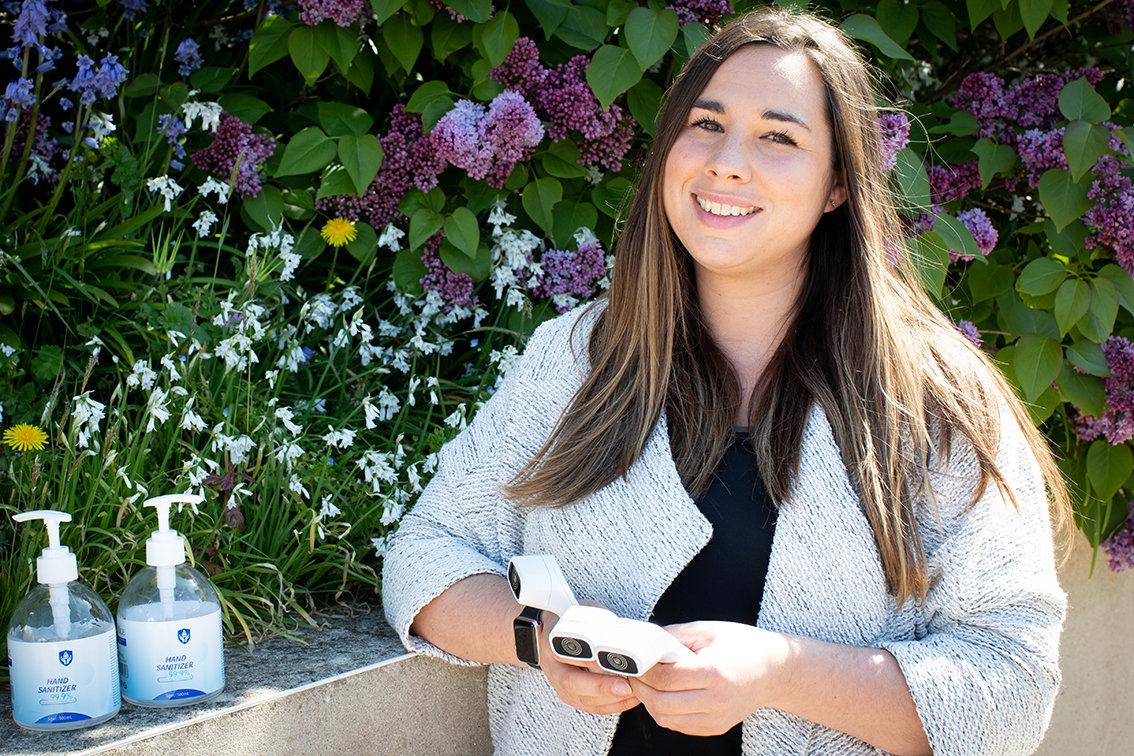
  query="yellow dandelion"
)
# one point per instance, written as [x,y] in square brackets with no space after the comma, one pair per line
[24,437]
[339,231]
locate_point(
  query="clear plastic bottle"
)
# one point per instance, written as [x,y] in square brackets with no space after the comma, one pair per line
[61,651]
[171,651]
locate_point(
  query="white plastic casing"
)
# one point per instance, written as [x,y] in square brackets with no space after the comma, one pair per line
[165,547]
[56,565]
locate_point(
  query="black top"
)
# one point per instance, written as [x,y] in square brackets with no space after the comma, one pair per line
[725,581]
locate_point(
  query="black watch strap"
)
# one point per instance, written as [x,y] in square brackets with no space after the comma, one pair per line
[525,629]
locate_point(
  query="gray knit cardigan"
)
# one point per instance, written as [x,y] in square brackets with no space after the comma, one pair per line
[980,658]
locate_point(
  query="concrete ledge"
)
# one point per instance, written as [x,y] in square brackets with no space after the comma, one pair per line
[351,686]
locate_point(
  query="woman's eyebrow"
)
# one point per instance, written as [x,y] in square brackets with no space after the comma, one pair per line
[772,115]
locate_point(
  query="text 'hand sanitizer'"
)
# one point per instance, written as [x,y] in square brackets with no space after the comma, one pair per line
[169,623]
[61,652]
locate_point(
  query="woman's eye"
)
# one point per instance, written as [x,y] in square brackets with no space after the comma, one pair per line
[781,137]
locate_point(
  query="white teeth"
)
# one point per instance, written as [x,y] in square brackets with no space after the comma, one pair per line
[717,208]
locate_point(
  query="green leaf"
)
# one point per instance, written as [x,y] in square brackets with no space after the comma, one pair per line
[447,36]
[896,19]
[475,10]
[988,281]
[549,13]
[979,10]
[1071,303]
[1086,392]
[499,36]
[1078,100]
[310,243]
[1083,143]
[1033,13]
[584,27]
[427,94]
[650,34]
[361,73]
[298,204]
[269,43]
[245,107]
[47,363]
[408,271]
[365,244]
[955,235]
[941,21]
[1063,198]
[931,258]
[1041,276]
[478,265]
[341,44]
[609,196]
[694,36]
[462,231]
[562,160]
[961,123]
[612,71]
[644,100]
[617,11]
[993,159]
[211,79]
[1108,467]
[308,55]
[362,157]
[308,151]
[1037,362]
[539,198]
[340,119]
[403,40]
[423,224]
[1099,321]
[912,179]
[1123,284]
[336,181]
[266,209]
[866,28]
[383,9]
[570,215]
[1088,356]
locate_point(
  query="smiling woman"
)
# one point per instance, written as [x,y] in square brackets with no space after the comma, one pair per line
[846,576]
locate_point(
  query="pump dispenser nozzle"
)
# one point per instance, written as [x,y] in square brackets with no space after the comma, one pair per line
[165,548]
[55,567]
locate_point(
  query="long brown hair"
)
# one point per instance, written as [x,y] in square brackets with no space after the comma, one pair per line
[887,366]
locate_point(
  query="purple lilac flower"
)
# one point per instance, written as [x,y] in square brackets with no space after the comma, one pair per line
[342,12]
[970,332]
[1111,218]
[488,145]
[1041,151]
[90,85]
[895,128]
[460,18]
[409,160]
[570,273]
[456,289]
[188,55]
[952,182]
[1001,111]
[18,95]
[708,12]
[235,142]
[1117,422]
[1119,16]
[31,24]
[568,103]
[133,8]
[1119,547]
[172,128]
[984,233]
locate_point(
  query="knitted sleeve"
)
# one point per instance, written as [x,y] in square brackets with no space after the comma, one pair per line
[453,530]
[985,675]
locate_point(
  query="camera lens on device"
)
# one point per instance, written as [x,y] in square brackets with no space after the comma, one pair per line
[617,663]
[514,579]
[576,648]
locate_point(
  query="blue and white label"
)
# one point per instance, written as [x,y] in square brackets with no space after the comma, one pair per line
[60,682]
[171,660]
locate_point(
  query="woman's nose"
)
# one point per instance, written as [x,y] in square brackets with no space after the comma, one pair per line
[729,159]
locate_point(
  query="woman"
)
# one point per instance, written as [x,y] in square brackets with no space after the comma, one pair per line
[846,576]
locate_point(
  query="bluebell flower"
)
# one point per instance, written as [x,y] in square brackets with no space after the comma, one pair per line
[188,55]
[474,342]
[65,104]
[308,353]
[176,165]
[47,58]
[90,85]
[133,8]
[17,96]
[171,128]
[31,24]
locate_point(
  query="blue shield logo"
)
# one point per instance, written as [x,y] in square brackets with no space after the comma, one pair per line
[65,658]
[183,635]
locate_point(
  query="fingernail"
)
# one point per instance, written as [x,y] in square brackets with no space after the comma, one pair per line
[621,688]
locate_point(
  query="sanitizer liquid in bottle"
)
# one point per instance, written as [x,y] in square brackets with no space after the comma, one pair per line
[169,623]
[61,652]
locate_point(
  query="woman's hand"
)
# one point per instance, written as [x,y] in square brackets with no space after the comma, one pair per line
[580,684]
[735,671]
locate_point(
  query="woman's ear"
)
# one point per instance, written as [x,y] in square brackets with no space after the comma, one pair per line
[838,194]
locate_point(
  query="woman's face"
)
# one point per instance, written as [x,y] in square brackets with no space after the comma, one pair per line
[737,148]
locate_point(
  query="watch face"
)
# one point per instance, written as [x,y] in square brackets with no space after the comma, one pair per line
[526,632]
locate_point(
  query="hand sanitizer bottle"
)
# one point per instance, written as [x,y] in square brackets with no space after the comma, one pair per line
[61,652]
[169,623]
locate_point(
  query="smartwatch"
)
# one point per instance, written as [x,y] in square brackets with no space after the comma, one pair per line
[525,628]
